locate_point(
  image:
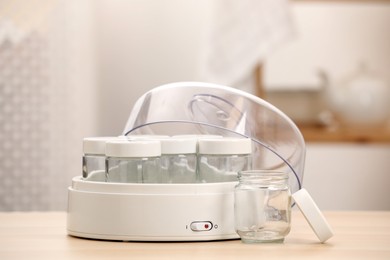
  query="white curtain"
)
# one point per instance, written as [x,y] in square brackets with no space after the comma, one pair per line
[47,100]
[241,35]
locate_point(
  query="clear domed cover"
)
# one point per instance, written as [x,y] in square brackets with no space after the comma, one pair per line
[204,108]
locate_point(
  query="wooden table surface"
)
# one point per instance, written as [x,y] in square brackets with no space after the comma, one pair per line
[358,235]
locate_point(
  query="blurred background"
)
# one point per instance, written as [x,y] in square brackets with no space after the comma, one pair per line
[74,68]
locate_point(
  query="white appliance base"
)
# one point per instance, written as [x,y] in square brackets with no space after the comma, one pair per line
[151,212]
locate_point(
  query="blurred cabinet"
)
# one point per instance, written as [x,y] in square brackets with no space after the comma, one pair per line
[290,78]
[348,176]
[315,133]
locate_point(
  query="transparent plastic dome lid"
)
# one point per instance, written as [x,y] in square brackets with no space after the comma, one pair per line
[209,109]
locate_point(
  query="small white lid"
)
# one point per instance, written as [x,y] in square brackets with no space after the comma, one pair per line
[313,215]
[134,148]
[224,146]
[96,145]
[178,145]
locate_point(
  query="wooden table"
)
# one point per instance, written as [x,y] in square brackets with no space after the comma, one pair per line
[358,235]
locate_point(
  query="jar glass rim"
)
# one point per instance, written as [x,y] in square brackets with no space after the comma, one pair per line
[263,173]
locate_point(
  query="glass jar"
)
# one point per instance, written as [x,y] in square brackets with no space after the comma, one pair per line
[178,160]
[262,206]
[94,158]
[134,161]
[220,159]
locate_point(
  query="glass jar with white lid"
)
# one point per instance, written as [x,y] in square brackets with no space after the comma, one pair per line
[220,159]
[94,158]
[134,161]
[178,159]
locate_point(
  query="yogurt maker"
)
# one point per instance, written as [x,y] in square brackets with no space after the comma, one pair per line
[197,211]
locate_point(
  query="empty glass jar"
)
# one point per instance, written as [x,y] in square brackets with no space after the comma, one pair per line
[262,206]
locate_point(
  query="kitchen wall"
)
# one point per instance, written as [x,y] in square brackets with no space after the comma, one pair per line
[144,44]
[139,44]
[336,36]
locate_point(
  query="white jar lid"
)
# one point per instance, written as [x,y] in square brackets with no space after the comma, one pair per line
[178,145]
[313,215]
[224,146]
[96,145]
[133,148]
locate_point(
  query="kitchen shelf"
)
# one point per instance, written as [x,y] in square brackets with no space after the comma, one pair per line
[323,134]
[317,133]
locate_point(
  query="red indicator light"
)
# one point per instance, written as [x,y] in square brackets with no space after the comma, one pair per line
[206,226]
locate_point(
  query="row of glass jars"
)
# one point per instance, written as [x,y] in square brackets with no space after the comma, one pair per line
[164,159]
